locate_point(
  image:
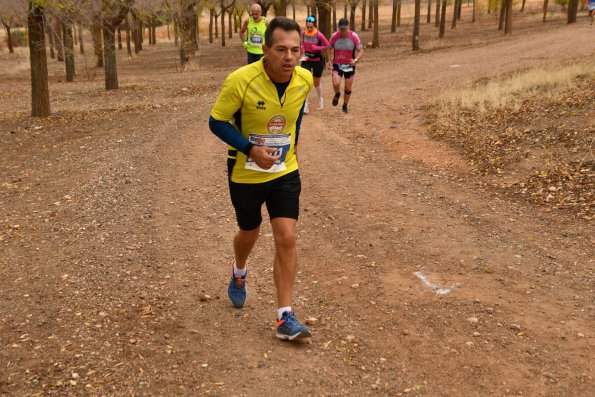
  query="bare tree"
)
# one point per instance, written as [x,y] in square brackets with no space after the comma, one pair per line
[225,6]
[113,13]
[324,8]
[376,35]
[572,10]
[12,13]
[40,95]
[416,22]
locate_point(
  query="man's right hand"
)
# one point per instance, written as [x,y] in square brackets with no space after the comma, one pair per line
[264,156]
[246,45]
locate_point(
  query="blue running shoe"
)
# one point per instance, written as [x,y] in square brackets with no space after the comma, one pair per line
[236,290]
[289,328]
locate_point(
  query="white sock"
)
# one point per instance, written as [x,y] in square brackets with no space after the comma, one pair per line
[239,272]
[319,92]
[282,310]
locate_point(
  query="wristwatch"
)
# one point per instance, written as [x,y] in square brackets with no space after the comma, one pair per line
[356,60]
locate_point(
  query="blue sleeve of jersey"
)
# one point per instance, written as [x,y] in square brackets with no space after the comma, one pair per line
[298,124]
[229,134]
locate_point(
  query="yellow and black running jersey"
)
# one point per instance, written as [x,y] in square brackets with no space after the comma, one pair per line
[250,101]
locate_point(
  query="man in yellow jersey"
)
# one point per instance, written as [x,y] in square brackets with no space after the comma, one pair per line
[252,33]
[258,114]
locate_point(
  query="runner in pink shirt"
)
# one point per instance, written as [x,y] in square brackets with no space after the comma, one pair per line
[344,43]
[315,46]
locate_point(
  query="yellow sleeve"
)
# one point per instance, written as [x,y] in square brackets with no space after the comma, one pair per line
[230,99]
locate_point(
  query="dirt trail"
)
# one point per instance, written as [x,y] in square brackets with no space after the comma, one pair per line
[112,234]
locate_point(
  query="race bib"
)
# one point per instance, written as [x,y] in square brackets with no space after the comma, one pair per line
[281,142]
[256,39]
[346,67]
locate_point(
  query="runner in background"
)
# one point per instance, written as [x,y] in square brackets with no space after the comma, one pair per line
[254,26]
[344,43]
[314,43]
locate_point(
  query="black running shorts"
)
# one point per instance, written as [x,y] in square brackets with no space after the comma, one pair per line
[281,195]
[340,73]
[316,67]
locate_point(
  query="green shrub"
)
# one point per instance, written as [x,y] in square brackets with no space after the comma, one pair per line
[19,38]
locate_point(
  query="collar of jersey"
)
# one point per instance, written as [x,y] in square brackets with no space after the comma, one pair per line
[311,34]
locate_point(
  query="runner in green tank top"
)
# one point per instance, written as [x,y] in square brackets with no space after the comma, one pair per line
[252,33]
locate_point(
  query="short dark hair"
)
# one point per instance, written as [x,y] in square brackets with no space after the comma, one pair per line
[284,23]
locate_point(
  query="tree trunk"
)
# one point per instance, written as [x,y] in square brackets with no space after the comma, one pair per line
[455,10]
[375,36]
[442,19]
[119,33]
[81,41]
[459,9]
[437,18]
[109,55]
[211,21]
[9,38]
[176,35]
[59,41]
[502,14]
[523,6]
[97,45]
[508,20]
[324,17]
[68,50]
[352,8]
[222,28]
[216,25]
[51,40]
[187,33]
[572,10]
[545,4]
[399,7]
[473,17]
[393,22]
[429,16]
[113,15]
[140,33]
[364,15]
[40,95]
[280,7]
[370,14]
[229,24]
[154,30]
[334,17]
[416,22]
[128,46]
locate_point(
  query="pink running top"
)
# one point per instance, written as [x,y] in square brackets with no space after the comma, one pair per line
[313,45]
[344,47]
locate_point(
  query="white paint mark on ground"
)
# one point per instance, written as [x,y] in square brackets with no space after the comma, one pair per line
[433,287]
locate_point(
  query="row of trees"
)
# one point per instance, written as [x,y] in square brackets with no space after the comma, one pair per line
[62,21]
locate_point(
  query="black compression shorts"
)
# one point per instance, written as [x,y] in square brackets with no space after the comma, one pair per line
[281,195]
[316,67]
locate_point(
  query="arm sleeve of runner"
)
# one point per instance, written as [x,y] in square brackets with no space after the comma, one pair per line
[324,42]
[298,124]
[230,135]
[222,114]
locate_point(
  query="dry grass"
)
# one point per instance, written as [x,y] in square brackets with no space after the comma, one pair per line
[510,91]
[534,130]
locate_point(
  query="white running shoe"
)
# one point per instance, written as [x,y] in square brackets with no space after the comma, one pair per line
[320,104]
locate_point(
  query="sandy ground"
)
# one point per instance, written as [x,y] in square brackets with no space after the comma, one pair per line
[116,226]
